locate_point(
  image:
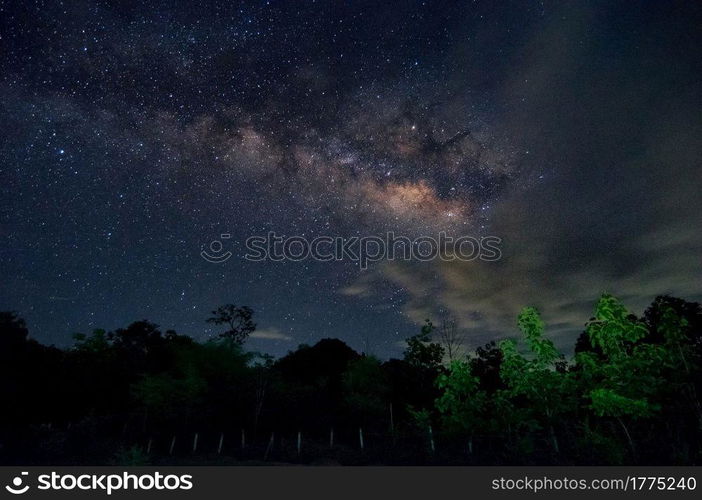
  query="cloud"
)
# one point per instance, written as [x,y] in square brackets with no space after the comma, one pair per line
[355,290]
[608,199]
[270,333]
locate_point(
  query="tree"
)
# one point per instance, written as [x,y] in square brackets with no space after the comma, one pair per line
[625,379]
[682,346]
[262,370]
[365,387]
[614,329]
[421,351]
[96,343]
[451,338]
[13,330]
[424,357]
[238,320]
[461,402]
[168,396]
[312,386]
[139,337]
[485,365]
[688,316]
[540,380]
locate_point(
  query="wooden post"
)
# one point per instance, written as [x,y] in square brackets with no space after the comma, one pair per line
[268,448]
[170,450]
[243,439]
[431,440]
[331,438]
[360,437]
[148,446]
[299,442]
[195,443]
[392,422]
[221,442]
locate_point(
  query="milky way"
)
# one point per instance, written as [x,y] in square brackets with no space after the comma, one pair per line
[135,134]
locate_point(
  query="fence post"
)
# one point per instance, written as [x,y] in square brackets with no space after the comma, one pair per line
[360,437]
[195,443]
[268,448]
[331,438]
[299,442]
[148,446]
[170,450]
[221,441]
[431,440]
[392,422]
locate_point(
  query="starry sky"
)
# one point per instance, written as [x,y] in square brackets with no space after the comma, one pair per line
[133,133]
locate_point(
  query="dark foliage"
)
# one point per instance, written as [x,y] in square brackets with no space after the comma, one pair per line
[139,395]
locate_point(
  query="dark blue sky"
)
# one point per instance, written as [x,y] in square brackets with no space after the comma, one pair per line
[135,133]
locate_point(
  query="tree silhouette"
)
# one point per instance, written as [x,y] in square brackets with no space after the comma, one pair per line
[13,330]
[365,387]
[421,351]
[238,319]
[451,337]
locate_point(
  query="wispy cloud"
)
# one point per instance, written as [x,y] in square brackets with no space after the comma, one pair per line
[271,333]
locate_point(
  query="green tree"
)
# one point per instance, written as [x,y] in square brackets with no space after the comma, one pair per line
[461,403]
[541,380]
[624,382]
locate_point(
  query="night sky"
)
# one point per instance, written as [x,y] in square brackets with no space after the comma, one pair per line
[132,134]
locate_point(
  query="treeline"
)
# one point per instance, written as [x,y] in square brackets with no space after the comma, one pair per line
[630,395]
